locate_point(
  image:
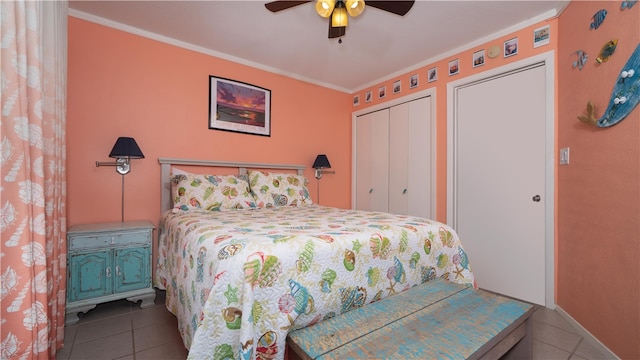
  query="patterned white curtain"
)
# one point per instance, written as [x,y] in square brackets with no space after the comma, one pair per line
[33,45]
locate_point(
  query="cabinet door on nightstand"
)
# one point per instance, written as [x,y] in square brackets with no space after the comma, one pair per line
[132,269]
[90,275]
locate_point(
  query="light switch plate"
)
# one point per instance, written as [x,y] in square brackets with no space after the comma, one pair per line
[564,156]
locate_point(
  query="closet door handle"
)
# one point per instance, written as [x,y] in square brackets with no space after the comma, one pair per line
[370,191]
[404,191]
[536,198]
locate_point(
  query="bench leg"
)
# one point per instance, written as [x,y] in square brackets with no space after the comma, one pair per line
[524,348]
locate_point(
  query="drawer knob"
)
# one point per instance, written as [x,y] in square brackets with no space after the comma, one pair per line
[113,240]
[108,271]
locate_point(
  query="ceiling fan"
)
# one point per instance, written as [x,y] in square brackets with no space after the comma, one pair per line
[337,10]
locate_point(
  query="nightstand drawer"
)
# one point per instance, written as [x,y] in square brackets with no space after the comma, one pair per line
[108,240]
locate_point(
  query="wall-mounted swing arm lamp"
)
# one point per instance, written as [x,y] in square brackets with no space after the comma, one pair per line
[123,151]
[321,162]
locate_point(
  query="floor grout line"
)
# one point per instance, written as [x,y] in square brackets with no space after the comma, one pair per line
[556,324]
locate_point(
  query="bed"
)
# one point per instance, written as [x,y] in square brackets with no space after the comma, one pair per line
[247,257]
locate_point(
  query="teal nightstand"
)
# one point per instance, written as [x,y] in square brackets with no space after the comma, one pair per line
[106,262]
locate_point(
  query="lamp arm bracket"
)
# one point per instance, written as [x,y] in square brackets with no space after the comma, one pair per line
[106,163]
[123,165]
[319,172]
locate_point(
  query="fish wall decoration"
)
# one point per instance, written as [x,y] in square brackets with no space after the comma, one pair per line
[627,4]
[598,19]
[582,59]
[607,50]
[624,97]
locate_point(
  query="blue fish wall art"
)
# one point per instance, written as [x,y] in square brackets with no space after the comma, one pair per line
[624,97]
[627,4]
[598,18]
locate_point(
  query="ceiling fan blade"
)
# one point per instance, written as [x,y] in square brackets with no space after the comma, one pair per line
[396,7]
[275,6]
[336,32]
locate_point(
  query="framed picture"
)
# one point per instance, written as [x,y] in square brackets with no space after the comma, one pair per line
[510,47]
[454,67]
[356,100]
[397,86]
[413,81]
[382,92]
[432,74]
[541,36]
[239,107]
[478,58]
[367,96]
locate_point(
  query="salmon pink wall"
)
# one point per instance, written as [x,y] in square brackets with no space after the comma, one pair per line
[598,213]
[121,84]
[526,49]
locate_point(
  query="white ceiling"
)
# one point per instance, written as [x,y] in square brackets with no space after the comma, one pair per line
[377,44]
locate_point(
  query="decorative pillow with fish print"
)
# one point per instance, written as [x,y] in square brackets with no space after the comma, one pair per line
[212,193]
[279,189]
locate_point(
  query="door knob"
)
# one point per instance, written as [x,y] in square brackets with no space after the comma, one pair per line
[536,198]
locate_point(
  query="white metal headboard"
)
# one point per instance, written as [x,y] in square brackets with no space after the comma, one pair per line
[167,163]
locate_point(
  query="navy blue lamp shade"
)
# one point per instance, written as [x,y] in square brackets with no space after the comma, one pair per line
[322,162]
[126,147]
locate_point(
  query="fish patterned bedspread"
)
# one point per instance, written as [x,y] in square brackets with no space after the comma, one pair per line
[239,281]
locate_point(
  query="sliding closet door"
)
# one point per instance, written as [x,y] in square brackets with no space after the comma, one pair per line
[372,161]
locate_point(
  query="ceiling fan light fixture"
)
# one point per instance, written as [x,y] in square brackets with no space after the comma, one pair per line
[355,7]
[339,18]
[324,8]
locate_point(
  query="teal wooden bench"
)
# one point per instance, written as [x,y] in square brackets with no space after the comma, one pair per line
[436,320]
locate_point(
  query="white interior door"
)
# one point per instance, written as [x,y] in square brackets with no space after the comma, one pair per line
[499,180]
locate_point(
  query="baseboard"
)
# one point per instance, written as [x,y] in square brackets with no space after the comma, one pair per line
[586,334]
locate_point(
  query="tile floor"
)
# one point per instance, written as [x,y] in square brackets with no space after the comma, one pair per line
[121,330]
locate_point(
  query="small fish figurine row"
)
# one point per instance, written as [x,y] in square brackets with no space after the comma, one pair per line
[598,18]
[627,4]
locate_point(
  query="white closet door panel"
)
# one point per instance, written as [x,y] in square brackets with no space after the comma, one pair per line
[380,161]
[399,159]
[419,158]
[372,161]
[363,146]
